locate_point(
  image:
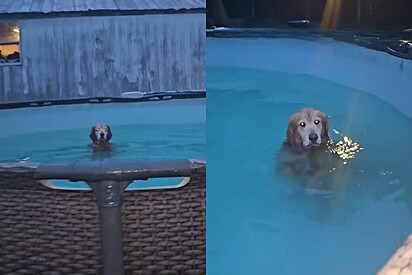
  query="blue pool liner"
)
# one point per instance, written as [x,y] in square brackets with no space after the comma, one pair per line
[153,183]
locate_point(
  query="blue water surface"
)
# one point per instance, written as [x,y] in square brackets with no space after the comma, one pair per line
[130,142]
[261,223]
[140,141]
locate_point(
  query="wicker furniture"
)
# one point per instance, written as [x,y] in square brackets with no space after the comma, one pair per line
[46,231]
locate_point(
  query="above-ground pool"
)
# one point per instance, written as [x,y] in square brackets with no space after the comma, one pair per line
[63,208]
[143,131]
[349,222]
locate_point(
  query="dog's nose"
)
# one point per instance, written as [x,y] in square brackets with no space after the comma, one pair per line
[313,137]
[102,135]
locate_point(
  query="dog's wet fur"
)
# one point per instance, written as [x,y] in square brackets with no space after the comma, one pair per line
[305,154]
[100,135]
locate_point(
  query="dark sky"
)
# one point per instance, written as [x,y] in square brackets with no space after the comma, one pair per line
[377,13]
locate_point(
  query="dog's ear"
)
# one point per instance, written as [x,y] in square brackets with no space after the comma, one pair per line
[325,126]
[292,137]
[109,133]
[93,134]
[290,133]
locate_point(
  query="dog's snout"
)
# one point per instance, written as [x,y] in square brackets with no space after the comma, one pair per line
[313,137]
[102,135]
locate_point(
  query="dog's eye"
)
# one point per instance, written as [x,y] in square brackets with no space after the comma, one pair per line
[97,129]
[302,124]
[317,122]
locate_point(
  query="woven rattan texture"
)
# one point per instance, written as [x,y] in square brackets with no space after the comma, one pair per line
[45,231]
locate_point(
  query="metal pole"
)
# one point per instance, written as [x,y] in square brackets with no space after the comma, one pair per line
[109,200]
[115,171]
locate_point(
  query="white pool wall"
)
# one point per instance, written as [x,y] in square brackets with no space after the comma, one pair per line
[375,72]
[76,116]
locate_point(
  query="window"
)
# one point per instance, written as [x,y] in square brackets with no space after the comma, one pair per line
[9,43]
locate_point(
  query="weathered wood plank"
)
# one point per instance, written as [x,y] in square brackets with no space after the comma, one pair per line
[6,78]
[105,56]
[11,83]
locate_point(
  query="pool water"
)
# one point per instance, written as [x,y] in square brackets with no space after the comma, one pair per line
[259,222]
[151,141]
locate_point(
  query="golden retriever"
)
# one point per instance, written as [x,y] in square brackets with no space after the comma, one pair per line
[305,151]
[307,128]
[100,136]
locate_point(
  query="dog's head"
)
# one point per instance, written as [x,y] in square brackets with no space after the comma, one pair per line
[307,128]
[100,133]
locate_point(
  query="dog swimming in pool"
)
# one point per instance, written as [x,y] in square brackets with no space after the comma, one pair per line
[307,128]
[100,135]
[305,150]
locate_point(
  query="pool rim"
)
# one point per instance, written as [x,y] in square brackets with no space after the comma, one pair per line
[379,40]
[147,97]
